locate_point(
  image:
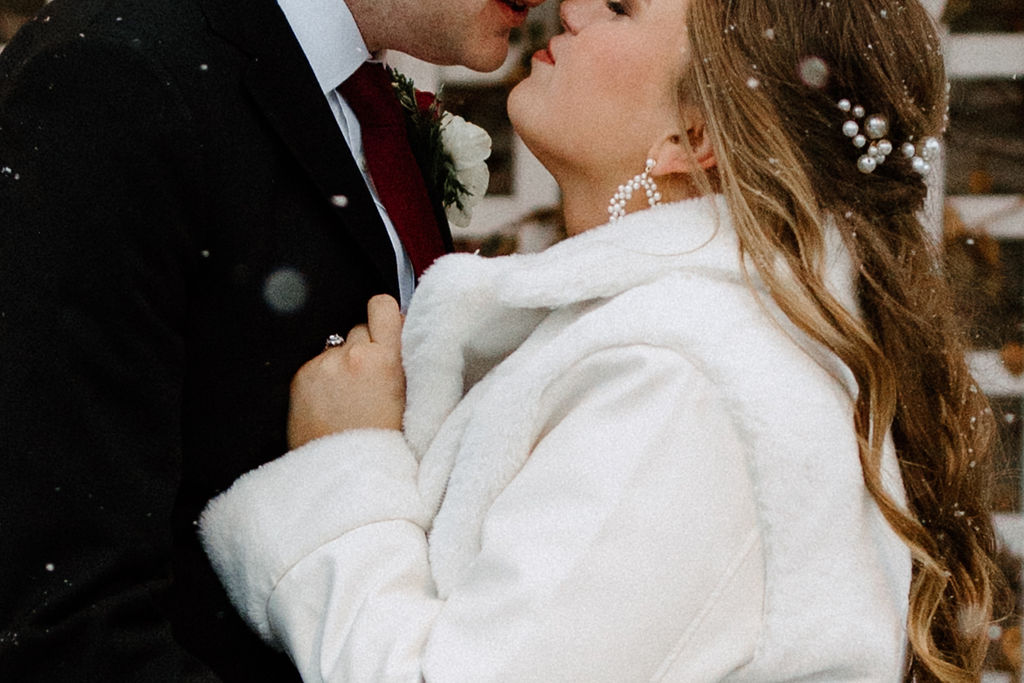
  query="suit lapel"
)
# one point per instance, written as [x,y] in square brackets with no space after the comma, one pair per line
[440,215]
[284,88]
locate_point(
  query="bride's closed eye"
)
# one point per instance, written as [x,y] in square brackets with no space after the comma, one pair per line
[617,7]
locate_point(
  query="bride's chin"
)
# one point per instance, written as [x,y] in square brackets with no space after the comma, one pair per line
[532,122]
[523,109]
[515,99]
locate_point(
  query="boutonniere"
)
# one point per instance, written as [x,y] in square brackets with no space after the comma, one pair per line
[451,151]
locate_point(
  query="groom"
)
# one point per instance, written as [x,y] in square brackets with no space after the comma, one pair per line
[185,215]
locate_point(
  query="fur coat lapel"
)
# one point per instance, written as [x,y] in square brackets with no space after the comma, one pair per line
[469,307]
[469,313]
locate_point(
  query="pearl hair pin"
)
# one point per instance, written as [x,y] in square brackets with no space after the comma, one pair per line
[642,182]
[922,155]
[875,128]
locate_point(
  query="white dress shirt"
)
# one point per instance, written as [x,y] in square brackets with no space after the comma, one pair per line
[330,38]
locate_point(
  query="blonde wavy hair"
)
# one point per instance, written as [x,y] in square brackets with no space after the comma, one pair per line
[767,75]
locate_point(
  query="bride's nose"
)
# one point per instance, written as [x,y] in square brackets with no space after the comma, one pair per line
[578,14]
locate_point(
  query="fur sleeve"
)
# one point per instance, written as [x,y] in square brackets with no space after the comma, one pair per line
[276,515]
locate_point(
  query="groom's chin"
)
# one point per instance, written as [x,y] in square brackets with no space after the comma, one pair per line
[487,57]
[484,55]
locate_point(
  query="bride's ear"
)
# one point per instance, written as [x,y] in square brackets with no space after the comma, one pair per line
[686,151]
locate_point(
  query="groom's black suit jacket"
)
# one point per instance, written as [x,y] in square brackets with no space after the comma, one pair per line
[170,254]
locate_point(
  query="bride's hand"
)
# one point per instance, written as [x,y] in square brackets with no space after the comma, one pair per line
[356,385]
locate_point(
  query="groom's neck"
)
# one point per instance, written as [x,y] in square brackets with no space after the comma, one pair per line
[383,23]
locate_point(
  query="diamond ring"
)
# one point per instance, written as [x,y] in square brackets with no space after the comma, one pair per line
[334,340]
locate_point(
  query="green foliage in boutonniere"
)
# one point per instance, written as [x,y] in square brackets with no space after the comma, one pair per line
[451,152]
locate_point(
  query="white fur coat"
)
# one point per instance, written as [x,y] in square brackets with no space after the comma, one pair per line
[619,463]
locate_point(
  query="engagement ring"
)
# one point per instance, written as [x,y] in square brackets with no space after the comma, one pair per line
[334,340]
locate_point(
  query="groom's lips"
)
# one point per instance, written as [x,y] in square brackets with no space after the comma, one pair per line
[516,10]
[516,5]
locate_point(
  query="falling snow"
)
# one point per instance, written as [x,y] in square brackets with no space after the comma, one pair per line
[813,71]
[285,290]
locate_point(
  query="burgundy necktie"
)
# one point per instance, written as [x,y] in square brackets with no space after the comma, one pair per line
[392,166]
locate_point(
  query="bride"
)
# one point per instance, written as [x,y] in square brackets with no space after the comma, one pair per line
[725,431]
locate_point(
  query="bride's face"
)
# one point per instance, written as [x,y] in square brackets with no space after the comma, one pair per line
[605,89]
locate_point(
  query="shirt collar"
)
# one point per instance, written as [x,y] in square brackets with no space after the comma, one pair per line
[329,37]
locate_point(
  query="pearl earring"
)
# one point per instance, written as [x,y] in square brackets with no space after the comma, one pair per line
[644,182]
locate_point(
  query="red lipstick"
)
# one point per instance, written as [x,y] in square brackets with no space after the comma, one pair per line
[544,55]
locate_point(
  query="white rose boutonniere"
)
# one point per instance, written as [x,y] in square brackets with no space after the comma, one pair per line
[451,152]
[468,146]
